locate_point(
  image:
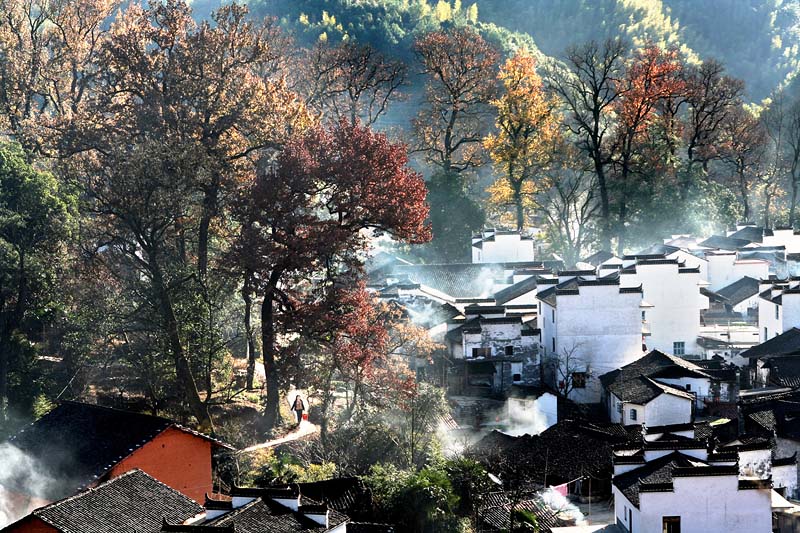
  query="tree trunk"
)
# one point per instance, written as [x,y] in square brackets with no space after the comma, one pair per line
[517,185]
[605,210]
[268,349]
[247,297]
[793,205]
[210,204]
[5,349]
[183,371]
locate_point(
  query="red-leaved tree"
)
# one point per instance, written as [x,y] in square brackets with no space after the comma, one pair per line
[306,224]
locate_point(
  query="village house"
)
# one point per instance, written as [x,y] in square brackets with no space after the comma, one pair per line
[492,349]
[778,306]
[588,327]
[502,246]
[80,446]
[742,296]
[133,501]
[660,389]
[137,502]
[771,363]
[672,292]
[680,487]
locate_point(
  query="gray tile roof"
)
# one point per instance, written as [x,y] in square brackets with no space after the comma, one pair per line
[262,515]
[132,502]
[740,290]
[655,475]
[787,343]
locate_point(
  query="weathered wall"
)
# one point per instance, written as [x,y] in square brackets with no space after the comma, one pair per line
[176,458]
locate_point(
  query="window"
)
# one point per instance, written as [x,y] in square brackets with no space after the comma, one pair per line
[553,311]
[688,387]
[516,378]
[579,380]
[766,333]
[671,524]
[678,348]
[619,407]
[643,316]
[554,345]
[777,312]
[481,352]
[509,350]
[633,415]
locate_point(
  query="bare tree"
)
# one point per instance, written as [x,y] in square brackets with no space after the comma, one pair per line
[572,372]
[588,88]
[350,81]
[712,97]
[569,206]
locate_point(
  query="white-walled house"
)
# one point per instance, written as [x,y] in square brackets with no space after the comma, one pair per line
[588,327]
[678,488]
[501,246]
[725,267]
[658,390]
[645,401]
[493,349]
[673,292]
[778,307]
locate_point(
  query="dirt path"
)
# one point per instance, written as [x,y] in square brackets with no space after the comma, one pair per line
[306,428]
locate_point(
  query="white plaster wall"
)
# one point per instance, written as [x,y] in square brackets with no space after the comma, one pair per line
[708,504]
[699,386]
[755,463]
[749,303]
[785,476]
[766,319]
[603,327]
[790,312]
[621,509]
[676,300]
[504,249]
[692,261]
[724,269]
[667,409]
[784,237]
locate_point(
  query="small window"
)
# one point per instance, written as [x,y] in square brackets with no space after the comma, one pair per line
[509,350]
[481,352]
[554,345]
[633,415]
[643,316]
[777,312]
[671,524]
[678,348]
[553,315]
[766,333]
[579,380]
[516,378]
[619,407]
[688,387]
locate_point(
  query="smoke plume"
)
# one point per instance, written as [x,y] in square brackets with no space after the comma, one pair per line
[23,485]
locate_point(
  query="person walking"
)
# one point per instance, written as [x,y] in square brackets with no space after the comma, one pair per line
[298,407]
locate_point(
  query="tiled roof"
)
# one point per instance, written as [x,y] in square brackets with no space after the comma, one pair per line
[784,370]
[262,515]
[516,290]
[590,447]
[787,343]
[724,243]
[463,280]
[598,257]
[740,290]
[495,511]
[133,501]
[655,475]
[749,233]
[78,443]
[659,249]
[630,383]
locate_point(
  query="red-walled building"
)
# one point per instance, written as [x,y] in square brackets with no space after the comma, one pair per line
[79,446]
[132,502]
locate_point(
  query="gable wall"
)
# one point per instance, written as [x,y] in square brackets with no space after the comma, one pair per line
[177,459]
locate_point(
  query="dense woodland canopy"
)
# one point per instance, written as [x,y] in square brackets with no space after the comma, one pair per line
[185,194]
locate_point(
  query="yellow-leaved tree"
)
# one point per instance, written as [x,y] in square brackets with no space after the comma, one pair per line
[527,136]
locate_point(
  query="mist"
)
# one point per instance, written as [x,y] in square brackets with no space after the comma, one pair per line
[23,485]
